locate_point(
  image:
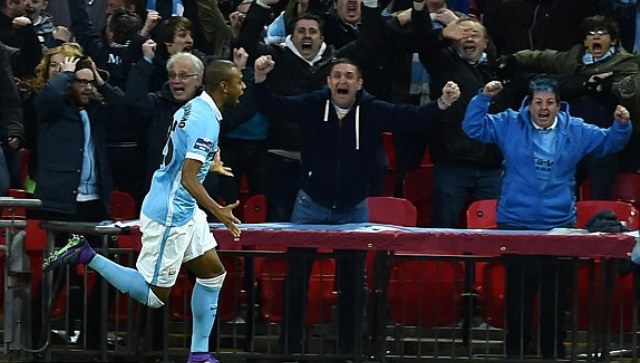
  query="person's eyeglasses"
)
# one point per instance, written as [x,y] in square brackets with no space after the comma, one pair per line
[85,82]
[181,76]
[598,32]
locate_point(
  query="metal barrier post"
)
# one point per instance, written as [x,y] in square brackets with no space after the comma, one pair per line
[17,276]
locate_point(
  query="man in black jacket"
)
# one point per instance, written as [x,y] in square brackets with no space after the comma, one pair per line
[463,168]
[304,61]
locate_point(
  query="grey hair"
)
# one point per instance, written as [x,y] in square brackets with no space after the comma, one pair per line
[196,63]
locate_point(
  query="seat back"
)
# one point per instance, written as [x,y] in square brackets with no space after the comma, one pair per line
[421,292]
[390,210]
[417,187]
[626,212]
[123,206]
[255,209]
[482,214]
[490,275]
[425,293]
[626,189]
[321,295]
[231,295]
[623,300]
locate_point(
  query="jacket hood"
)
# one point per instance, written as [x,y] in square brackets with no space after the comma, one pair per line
[362,97]
[288,43]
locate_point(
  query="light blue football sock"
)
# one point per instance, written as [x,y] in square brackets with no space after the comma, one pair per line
[204,306]
[125,279]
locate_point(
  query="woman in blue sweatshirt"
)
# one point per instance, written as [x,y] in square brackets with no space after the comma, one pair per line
[542,145]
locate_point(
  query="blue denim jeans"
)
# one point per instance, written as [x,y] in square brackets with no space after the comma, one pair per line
[455,186]
[350,279]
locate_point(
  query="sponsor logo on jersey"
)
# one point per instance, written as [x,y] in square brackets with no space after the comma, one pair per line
[203,144]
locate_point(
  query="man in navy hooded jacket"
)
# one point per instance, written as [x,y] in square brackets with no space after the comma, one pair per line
[341,127]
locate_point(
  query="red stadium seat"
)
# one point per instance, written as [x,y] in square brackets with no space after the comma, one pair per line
[421,292]
[425,293]
[321,295]
[626,189]
[255,209]
[626,212]
[231,295]
[588,301]
[482,214]
[390,210]
[123,206]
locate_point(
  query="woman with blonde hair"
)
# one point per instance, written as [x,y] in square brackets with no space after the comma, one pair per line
[48,67]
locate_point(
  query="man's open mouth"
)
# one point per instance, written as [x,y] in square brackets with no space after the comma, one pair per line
[178,91]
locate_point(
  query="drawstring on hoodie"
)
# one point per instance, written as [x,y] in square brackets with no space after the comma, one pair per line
[357,127]
[326,111]
[356,124]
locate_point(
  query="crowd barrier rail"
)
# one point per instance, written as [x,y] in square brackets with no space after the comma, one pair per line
[458,325]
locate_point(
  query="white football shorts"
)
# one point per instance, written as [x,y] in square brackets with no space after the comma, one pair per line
[165,249]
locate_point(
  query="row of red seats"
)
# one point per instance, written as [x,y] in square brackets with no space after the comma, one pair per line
[481,214]
[428,292]
[411,285]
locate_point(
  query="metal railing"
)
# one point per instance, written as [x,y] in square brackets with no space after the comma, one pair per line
[421,307]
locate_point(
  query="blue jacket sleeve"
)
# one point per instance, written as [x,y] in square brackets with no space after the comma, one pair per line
[600,142]
[477,123]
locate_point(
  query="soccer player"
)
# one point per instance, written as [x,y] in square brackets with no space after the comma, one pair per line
[174,229]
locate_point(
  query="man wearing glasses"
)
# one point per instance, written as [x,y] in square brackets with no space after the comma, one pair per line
[155,109]
[74,180]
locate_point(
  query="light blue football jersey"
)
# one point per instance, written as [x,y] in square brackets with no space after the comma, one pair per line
[192,135]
